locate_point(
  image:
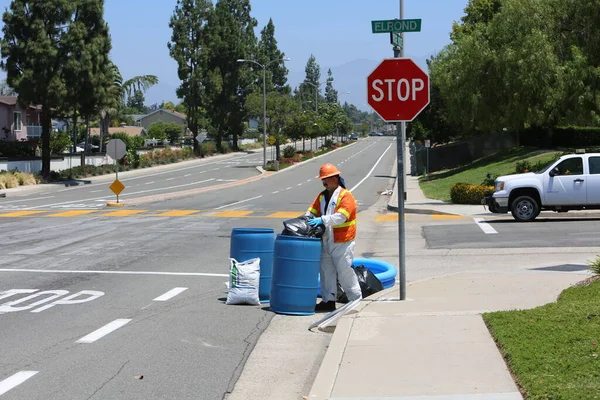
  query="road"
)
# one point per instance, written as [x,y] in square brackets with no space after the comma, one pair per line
[91,301]
[129,302]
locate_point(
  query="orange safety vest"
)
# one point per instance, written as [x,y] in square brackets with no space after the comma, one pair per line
[346,205]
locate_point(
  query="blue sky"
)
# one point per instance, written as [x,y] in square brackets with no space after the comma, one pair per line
[337,32]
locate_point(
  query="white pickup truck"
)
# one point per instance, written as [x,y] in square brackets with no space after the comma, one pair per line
[570,183]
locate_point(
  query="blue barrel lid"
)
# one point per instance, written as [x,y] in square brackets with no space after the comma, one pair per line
[253,230]
[297,238]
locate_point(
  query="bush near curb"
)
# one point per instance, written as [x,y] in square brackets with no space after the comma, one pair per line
[14,178]
[465,193]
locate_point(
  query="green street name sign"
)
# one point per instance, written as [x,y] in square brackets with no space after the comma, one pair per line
[396,25]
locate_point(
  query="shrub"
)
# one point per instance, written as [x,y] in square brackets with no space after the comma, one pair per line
[329,143]
[595,265]
[489,180]
[289,151]
[522,166]
[9,180]
[25,179]
[465,193]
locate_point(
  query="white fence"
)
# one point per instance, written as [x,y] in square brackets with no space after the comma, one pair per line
[56,164]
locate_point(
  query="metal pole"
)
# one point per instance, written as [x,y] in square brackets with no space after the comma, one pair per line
[401,185]
[264,118]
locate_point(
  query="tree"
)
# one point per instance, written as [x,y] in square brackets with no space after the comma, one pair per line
[227,82]
[331,95]
[136,102]
[269,53]
[87,72]
[310,86]
[280,109]
[38,40]
[187,47]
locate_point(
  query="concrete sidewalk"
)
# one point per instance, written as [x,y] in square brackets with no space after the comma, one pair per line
[434,345]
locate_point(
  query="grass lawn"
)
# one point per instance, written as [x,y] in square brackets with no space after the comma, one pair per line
[437,185]
[553,350]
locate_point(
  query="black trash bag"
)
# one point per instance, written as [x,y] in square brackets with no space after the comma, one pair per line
[299,227]
[367,280]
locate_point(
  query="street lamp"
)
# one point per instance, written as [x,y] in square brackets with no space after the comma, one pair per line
[264,69]
[316,92]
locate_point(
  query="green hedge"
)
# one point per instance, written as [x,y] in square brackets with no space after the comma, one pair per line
[465,193]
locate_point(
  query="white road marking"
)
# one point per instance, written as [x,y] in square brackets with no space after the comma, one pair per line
[95,191]
[308,180]
[238,202]
[105,330]
[124,194]
[170,294]
[288,188]
[170,179]
[15,380]
[487,228]
[35,198]
[299,184]
[187,175]
[63,271]
[372,169]
[275,192]
[150,183]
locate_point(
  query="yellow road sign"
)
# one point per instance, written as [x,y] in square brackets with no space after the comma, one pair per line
[271,140]
[117,187]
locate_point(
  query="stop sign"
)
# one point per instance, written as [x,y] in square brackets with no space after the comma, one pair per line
[398,89]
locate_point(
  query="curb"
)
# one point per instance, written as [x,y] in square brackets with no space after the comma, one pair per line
[114,204]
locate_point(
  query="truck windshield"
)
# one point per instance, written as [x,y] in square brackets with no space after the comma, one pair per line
[541,171]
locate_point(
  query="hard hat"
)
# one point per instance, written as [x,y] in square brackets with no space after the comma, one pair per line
[328,170]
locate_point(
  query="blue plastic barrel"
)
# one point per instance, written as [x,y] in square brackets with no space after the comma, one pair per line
[249,243]
[296,262]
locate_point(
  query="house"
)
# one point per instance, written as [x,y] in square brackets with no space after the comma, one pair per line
[128,130]
[17,123]
[164,116]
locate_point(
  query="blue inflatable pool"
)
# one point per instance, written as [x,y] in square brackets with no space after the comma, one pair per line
[384,271]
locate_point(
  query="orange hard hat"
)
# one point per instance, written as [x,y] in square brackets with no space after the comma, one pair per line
[328,170]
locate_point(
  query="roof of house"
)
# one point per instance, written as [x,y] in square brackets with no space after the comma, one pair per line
[8,100]
[175,113]
[12,101]
[128,130]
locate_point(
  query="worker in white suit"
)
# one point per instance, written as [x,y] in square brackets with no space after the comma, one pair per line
[335,208]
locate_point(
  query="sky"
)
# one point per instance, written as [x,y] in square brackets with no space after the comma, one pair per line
[336,32]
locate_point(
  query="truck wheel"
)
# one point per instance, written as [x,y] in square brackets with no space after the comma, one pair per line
[525,209]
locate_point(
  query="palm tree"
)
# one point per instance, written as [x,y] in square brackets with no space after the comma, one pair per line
[120,91]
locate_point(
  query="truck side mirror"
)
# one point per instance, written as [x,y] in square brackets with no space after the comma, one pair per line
[554,171]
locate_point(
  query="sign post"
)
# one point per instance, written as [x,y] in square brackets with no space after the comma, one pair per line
[116,149]
[398,90]
[427,146]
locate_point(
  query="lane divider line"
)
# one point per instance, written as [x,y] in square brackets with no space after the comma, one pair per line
[170,294]
[66,271]
[485,227]
[105,330]
[15,380]
[238,202]
[372,169]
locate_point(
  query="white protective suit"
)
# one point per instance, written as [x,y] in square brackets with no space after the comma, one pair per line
[336,258]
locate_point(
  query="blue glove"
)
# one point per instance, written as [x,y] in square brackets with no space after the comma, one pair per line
[315,221]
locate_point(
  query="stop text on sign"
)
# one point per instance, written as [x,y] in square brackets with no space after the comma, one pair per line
[404,89]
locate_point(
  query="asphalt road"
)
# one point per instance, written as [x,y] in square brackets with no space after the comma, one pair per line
[90,304]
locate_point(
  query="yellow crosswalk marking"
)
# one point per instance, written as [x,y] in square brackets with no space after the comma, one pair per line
[387,218]
[232,214]
[72,213]
[441,216]
[21,213]
[123,213]
[176,213]
[284,214]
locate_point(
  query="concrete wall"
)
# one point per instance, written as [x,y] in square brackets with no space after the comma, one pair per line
[56,164]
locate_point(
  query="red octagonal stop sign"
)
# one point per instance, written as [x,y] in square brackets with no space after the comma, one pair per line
[398,89]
